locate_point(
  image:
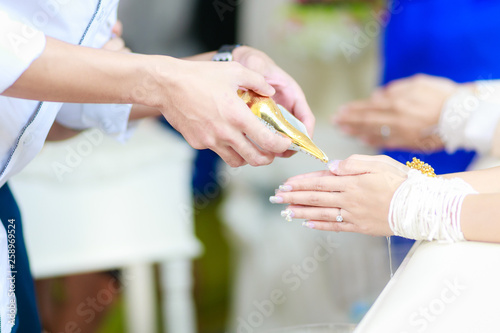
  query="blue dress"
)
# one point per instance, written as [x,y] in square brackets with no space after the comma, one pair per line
[456,39]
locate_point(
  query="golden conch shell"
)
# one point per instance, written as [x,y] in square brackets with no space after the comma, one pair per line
[283,122]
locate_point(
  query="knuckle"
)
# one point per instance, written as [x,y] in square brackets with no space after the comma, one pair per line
[196,144]
[266,160]
[223,135]
[326,215]
[255,62]
[235,162]
[319,186]
[209,142]
[257,159]
[253,162]
[236,119]
[313,200]
[237,68]
[274,144]
[346,165]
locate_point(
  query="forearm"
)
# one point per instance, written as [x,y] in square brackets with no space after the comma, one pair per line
[141,111]
[480,217]
[69,73]
[484,181]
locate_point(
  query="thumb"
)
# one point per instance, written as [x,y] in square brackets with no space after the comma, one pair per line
[355,165]
[251,80]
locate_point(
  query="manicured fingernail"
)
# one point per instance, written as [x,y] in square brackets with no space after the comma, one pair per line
[308,224]
[288,214]
[276,200]
[334,165]
[285,188]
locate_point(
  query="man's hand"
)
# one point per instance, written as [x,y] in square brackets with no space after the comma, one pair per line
[404,114]
[199,99]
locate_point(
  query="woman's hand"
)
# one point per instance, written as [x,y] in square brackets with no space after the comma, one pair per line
[404,114]
[288,92]
[360,189]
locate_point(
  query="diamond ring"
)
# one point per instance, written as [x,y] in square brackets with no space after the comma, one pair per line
[385,131]
[339,217]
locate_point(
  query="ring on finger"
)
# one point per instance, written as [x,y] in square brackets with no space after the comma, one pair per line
[339,216]
[385,131]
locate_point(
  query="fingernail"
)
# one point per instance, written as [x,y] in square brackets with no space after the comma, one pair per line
[288,214]
[308,224]
[285,188]
[275,200]
[334,165]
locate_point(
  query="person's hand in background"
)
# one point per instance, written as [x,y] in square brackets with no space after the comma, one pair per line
[404,114]
[116,43]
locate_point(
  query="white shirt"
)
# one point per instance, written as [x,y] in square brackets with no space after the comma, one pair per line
[24,124]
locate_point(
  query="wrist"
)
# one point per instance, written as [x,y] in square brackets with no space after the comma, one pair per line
[225,52]
[469,118]
[152,78]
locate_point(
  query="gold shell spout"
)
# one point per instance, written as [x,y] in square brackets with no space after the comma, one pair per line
[283,122]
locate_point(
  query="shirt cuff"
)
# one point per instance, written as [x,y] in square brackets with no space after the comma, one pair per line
[20,45]
[111,119]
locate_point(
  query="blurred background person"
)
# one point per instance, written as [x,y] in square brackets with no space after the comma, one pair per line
[448,39]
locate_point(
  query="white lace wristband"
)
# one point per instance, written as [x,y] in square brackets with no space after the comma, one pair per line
[470,117]
[425,208]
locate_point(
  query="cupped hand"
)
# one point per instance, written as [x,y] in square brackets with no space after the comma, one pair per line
[288,92]
[404,114]
[201,102]
[360,189]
